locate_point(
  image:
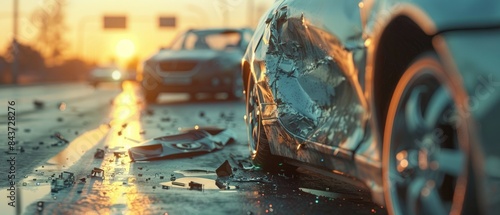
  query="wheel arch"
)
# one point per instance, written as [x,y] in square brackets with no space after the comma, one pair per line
[408,34]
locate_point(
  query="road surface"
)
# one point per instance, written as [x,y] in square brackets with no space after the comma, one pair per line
[60,127]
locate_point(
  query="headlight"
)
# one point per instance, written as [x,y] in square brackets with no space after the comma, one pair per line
[116,75]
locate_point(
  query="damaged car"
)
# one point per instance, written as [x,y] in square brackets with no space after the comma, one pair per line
[400,97]
[198,61]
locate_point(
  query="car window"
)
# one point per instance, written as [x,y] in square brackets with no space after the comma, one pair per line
[217,40]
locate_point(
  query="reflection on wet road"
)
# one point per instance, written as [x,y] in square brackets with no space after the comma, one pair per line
[117,120]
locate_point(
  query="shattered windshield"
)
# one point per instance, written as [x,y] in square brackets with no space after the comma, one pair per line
[215,40]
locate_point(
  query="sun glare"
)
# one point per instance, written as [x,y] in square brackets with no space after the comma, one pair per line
[125,49]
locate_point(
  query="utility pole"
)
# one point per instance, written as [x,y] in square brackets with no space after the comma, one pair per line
[15,47]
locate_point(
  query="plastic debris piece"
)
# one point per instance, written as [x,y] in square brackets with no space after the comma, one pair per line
[224,170]
[190,142]
[99,154]
[195,186]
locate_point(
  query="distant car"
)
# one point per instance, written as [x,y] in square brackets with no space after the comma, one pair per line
[199,61]
[401,97]
[106,74]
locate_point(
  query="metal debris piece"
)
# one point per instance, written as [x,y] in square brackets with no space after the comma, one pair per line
[191,142]
[96,172]
[99,154]
[58,136]
[195,186]
[65,179]
[224,170]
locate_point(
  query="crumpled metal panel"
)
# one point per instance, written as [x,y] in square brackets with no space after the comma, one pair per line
[189,143]
[311,77]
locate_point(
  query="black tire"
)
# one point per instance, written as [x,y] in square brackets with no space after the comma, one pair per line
[257,138]
[426,154]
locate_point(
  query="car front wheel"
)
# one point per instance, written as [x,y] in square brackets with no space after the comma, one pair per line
[257,139]
[426,143]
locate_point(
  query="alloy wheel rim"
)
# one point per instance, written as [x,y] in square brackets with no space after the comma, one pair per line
[253,120]
[426,160]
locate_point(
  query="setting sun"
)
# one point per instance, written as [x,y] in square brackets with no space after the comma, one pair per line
[125,49]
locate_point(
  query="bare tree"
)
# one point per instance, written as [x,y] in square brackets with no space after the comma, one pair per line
[49,19]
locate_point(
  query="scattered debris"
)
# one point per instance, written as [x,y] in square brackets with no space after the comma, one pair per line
[65,179]
[178,184]
[58,136]
[165,187]
[96,172]
[195,186]
[166,119]
[99,154]
[322,193]
[149,112]
[172,177]
[39,206]
[222,185]
[224,170]
[39,104]
[252,179]
[61,106]
[83,180]
[195,172]
[119,154]
[191,142]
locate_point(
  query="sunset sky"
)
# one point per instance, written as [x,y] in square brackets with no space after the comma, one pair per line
[142,36]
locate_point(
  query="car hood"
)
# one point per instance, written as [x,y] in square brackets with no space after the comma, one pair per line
[196,55]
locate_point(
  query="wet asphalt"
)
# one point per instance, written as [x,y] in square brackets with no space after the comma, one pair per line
[114,119]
